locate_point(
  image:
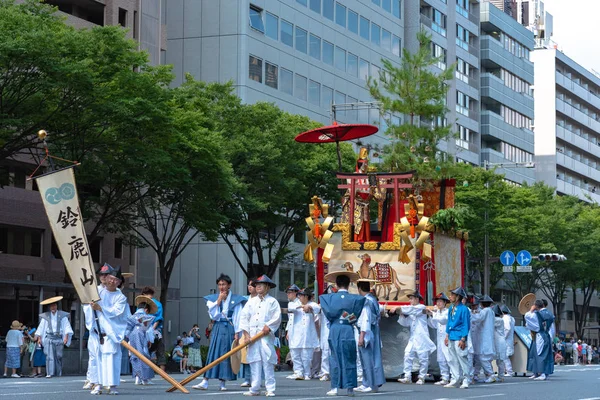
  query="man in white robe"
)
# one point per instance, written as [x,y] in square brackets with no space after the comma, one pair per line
[112,311]
[438,321]
[261,314]
[509,332]
[484,319]
[305,336]
[292,332]
[54,333]
[419,345]
[324,342]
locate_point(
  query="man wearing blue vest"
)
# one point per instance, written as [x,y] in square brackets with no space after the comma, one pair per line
[457,332]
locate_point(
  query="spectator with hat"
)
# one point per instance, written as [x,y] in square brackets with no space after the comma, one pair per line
[438,321]
[261,314]
[457,336]
[53,333]
[14,343]
[140,333]
[305,338]
[291,332]
[419,344]
[486,350]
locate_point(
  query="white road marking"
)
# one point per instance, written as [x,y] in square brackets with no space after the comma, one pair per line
[357,393]
[36,393]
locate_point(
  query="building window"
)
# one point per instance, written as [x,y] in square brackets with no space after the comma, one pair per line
[340,58]
[122,17]
[353,22]
[302,2]
[364,28]
[376,34]
[462,37]
[396,46]
[328,9]
[340,15]
[20,241]
[396,10]
[352,64]
[375,70]
[315,5]
[271,75]
[463,70]
[464,137]
[314,47]
[340,98]
[463,103]
[327,97]
[314,93]
[376,2]
[363,67]
[387,5]
[118,248]
[300,87]
[462,7]
[286,81]
[287,33]
[135,24]
[255,69]
[301,39]
[439,22]
[327,53]
[95,248]
[272,26]
[386,40]
[256,21]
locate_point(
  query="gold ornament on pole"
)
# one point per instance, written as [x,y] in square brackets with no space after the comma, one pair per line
[319,233]
[414,222]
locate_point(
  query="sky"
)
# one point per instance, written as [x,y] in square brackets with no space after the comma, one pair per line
[576,29]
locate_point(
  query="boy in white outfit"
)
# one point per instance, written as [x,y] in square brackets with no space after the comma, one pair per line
[438,321]
[305,336]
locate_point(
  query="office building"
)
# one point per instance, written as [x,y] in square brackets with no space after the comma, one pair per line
[507,108]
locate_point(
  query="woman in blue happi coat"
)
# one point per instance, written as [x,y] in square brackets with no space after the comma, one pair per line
[140,334]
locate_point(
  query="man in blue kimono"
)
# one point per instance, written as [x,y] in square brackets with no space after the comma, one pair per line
[369,342]
[225,310]
[342,310]
[457,332]
[539,359]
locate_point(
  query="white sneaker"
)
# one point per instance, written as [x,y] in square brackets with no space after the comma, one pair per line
[325,378]
[270,394]
[420,381]
[507,375]
[307,378]
[465,384]
[542,377]
[293,376]
[96,390]
[48,376]
[85,384]
[533,376]
[490,379]
[112,391]
[442,382]
[406,381]
[363,389]
[138,381]
[451,384]
[147,382]
[222,387]
[88,386]
[332,392]
[249,393]
[299,378]
[202,385]
[245,384]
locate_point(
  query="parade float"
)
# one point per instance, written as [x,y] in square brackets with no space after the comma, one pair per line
[383,231]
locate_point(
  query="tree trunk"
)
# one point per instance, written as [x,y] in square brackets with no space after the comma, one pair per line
[576,312]
[556,309]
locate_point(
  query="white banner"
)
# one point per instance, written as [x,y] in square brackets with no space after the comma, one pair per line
[59,195]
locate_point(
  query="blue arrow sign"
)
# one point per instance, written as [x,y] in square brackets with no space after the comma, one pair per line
[523,257]
[507,257]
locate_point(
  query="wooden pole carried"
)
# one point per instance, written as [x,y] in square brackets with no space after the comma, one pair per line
[166,377]
[218,360]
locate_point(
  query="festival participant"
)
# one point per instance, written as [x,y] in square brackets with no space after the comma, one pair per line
[305,337]
[547,316]
[324,340]
[539,359]
[509,333]
[93,344]
[499,342]
[261,314]
[438,321]
[291,333]
[369,342]
[224,310]
[419,345]
[457,334]
[475,336]
[246,370]
[487,351]
[140,333]
[342,310]
[54,333]
[112,311]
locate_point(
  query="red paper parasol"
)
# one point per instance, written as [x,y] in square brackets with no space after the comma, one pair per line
[337,133]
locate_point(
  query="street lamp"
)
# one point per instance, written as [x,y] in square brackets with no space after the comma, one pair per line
[486,257]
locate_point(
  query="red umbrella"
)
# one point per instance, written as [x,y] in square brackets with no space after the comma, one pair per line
[337,133]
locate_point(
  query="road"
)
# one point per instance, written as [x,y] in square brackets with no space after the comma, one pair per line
[577,383]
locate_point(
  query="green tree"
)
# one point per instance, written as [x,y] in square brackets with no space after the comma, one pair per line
[275,177]
[417,92]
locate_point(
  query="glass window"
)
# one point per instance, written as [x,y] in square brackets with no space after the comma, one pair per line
[340,58]
[375,71]
[376,2]
[301,2]
[255,69]
[352,64]
[314,93]
[364,28]
[328,9]
[286,79]
[352,114]
[271,75]
[300,87]
[327,98]
[340,98]
[314,48]
[272,26]
[386,40]
[439,22]
[363,69]
[287,33]
[352,21]
[375,34]
[396,45]
[387,5]
[301,39]
[315,5]
[256,20]
[340,14]
[396,8]
[327,52]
